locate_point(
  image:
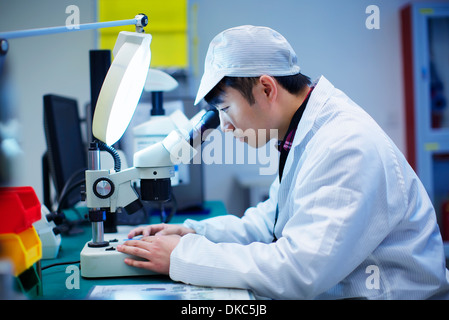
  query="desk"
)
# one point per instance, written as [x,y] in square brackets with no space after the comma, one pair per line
[54,278]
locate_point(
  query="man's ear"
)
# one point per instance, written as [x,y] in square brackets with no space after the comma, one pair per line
[269,87]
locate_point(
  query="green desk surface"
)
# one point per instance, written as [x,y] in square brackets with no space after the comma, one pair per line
[54,279]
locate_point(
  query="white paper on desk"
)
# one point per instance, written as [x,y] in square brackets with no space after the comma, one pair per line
[167,291]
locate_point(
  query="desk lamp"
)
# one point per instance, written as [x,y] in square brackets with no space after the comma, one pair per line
[117,101]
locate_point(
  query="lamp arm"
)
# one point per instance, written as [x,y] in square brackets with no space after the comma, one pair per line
[140,21]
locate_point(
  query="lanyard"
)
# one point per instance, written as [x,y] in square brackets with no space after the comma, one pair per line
[285,146]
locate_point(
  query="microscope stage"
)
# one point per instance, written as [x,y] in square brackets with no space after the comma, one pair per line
[107,261]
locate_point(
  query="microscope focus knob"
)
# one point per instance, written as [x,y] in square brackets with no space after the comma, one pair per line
[103,188]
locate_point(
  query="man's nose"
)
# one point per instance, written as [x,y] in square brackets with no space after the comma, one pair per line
[226,125]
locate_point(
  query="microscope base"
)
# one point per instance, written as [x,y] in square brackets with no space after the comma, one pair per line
[107,261]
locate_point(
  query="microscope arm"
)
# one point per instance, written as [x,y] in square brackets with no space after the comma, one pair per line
[110,190]
[154,165]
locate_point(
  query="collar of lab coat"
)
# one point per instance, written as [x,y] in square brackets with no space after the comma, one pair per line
[320,94]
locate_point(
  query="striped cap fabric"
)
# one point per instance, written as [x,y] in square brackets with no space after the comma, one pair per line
[246,51]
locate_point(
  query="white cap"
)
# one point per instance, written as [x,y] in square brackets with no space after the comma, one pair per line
[246,51]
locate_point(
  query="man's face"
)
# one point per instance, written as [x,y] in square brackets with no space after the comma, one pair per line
[248,123]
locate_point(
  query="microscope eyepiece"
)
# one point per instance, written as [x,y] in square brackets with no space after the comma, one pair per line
[210,120]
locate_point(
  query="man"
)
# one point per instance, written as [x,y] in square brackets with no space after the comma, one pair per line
[346,218]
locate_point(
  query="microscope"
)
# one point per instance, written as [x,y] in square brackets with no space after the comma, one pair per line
[112,190]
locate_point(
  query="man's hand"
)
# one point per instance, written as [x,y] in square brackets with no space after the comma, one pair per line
[160,229]
[155,250]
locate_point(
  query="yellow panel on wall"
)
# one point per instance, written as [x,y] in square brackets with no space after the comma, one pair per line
[167,23]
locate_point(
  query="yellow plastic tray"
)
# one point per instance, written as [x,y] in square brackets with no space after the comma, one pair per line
[23,249]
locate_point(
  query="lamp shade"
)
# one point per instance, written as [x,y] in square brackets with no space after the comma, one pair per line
[122,87]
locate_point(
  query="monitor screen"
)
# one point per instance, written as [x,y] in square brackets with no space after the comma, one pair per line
[66,152]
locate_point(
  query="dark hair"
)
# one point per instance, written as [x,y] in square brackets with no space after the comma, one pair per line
[293,84]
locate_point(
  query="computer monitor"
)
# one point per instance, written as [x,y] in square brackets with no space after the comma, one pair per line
[66,154]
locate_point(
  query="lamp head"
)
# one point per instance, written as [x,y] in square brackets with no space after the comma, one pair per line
[122,86]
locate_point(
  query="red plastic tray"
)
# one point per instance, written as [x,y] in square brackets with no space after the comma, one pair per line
[19,208]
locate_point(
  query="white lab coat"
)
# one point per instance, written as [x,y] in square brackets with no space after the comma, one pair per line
[354,220]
